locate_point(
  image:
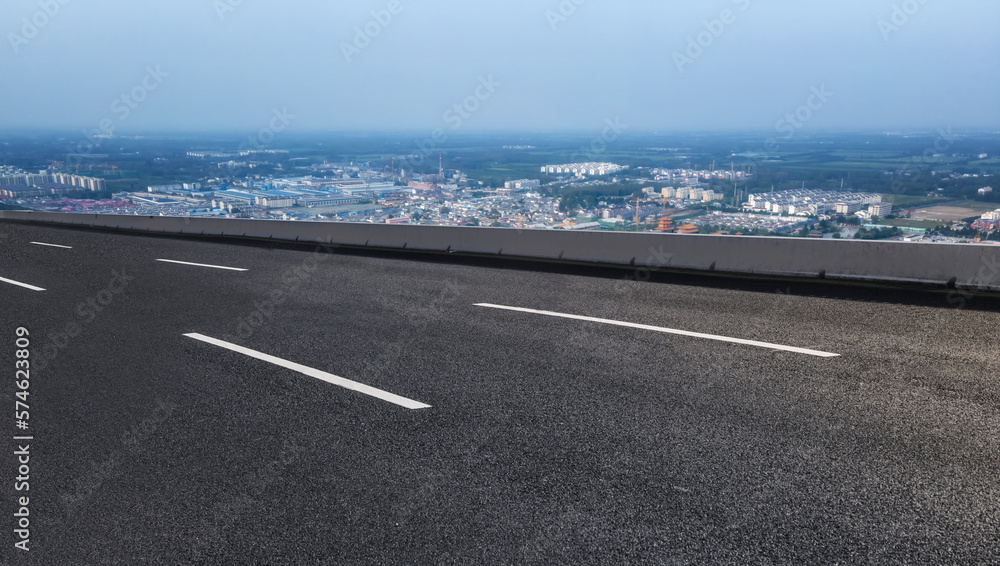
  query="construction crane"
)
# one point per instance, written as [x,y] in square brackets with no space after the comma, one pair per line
[637,201]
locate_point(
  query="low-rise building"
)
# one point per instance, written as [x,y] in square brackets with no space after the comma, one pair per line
[332,200]
[274,201]
[847,208]
[523,184]
[881,209]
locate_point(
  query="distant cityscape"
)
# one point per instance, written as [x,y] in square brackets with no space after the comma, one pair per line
[587,195]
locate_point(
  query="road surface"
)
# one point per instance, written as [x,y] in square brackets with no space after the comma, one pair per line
[201,402]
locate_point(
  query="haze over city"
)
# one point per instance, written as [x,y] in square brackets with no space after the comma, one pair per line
[550,65]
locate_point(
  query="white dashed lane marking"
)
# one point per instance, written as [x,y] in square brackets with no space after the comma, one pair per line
[311,372]
[668,331]
[202,265]
[19,284]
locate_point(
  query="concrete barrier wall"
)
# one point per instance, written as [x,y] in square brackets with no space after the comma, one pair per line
[966,266]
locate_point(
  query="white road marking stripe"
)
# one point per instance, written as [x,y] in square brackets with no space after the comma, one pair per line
[202,265]
[52,245]
[322,375]
[19,284]
[669,331]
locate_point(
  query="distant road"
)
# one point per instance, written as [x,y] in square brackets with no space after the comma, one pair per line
[198,402]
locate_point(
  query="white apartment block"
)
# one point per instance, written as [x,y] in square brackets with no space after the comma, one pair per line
[881,209]
[583,169]
[847,208]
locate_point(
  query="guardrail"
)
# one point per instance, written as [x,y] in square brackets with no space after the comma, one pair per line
[961,266]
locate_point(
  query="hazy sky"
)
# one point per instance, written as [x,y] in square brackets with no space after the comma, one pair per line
[513,64]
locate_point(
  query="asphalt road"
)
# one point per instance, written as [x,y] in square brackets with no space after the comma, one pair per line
[547,440]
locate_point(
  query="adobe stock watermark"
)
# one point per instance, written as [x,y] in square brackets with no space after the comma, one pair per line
[224,7]
[613,129]
[280,120]
[921,164]
[900,16]
[794,121]
[656,259]
[122,107]
[291,281]
[456,116]
[87,311]
[238,502]
[714,29]
[129,101]
[419,316]
[462,111]
[364,36]
[133,444]
[31,27]
[563,12]
[988,274]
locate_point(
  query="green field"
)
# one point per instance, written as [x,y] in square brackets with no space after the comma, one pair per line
[907,201]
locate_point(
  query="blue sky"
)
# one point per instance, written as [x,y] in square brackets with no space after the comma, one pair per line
[549,64]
